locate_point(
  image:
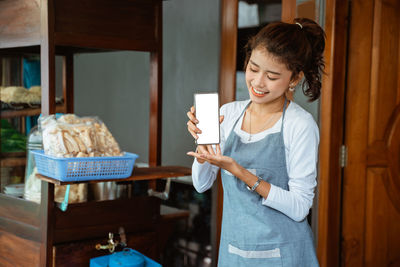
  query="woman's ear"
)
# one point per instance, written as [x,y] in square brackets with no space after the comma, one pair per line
[295,80]
[292,85]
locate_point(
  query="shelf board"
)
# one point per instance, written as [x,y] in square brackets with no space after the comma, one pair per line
[34,49]
[20,154]
[138,174]
[12,162]
[6,114]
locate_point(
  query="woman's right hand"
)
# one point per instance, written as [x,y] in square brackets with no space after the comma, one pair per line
[193,130]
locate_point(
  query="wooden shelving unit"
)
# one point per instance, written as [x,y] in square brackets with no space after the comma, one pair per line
[46,235]
[9,113]
[12,162]
[138,174]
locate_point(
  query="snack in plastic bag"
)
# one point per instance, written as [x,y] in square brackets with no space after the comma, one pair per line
[72,136]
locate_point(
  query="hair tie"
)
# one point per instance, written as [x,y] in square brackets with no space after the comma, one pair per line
[301,26]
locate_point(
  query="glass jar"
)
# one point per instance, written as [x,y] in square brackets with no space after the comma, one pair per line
[32,184]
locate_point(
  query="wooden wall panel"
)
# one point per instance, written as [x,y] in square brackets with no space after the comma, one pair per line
[78,254]
[102,17]
[16,251]
[20,20]
[19,210]
[93,23]
[357,109]
[375,209]
[382,247]
[371,182]
[384,72]
[398,68]
[87,220]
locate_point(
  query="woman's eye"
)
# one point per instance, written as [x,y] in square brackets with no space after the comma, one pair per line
[253,70]
[272,79]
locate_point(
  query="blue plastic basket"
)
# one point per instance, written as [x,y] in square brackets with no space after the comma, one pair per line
[107,261]
[83,169]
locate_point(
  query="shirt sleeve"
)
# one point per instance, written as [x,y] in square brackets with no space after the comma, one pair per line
[204,174]
[303,141]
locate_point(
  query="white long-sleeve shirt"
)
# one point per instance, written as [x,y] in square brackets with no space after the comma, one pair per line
[301,139]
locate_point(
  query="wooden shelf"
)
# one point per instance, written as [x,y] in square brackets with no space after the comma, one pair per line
[12,159]
[6,114]
[138,174]
[12,162]
[19,154]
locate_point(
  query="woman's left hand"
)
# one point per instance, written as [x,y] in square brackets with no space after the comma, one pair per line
[214,157]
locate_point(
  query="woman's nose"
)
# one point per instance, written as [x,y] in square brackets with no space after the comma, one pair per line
[259,80]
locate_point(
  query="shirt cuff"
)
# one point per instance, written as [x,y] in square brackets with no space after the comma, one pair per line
[271,198]
[203,176]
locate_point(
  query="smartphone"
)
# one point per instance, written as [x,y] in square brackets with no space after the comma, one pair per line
[207,113]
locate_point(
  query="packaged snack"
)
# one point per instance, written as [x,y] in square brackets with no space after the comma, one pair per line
[72,136]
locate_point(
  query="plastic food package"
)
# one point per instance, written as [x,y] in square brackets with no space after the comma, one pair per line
[18,94]
[73,136]
[77,192]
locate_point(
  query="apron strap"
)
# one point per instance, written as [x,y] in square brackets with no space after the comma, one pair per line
[234,125]
[283,114]
[248,104]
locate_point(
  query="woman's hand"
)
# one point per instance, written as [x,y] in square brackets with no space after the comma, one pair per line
[213,157]
[193,130]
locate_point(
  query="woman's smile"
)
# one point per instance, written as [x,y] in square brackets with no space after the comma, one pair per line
[258,92]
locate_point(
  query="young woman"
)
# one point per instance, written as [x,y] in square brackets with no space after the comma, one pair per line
[268,151]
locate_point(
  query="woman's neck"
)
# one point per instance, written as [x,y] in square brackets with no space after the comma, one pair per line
[267,108]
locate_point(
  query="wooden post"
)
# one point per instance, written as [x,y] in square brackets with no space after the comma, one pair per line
[68,82]
[47,57]
[47,62]
[288,10]
[332,117]
[156,97]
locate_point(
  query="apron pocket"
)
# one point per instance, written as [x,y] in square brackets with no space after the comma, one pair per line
[257,255]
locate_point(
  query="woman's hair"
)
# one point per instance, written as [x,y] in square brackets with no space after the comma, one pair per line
[299,45]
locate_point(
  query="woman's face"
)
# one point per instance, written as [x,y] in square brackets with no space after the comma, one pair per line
[267,79]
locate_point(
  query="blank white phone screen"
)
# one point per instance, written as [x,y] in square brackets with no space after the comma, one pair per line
[207,112]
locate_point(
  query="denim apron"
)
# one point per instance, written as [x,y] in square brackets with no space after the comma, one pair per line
[254,234]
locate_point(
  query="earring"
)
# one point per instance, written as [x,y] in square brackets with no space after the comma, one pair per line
[291,88]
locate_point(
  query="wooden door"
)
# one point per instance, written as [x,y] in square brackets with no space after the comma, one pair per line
[371,179]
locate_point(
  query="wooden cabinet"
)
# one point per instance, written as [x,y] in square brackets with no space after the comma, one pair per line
[41,234]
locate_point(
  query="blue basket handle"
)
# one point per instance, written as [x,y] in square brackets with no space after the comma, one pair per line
[64,205]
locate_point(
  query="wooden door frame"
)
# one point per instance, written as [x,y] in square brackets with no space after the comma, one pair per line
[331,133]
[227,84]
[331,111]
